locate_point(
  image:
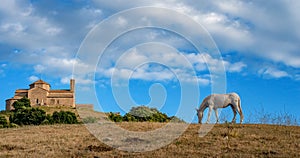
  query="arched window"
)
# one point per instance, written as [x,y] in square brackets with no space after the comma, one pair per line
[52,101]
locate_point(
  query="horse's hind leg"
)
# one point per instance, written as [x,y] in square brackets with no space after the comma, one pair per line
[241,115]
[234,114]
[240,111]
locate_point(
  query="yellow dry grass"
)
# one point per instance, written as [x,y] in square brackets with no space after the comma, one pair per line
[222,141]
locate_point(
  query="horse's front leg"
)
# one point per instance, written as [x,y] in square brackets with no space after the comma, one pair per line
[208,116]
[217,116]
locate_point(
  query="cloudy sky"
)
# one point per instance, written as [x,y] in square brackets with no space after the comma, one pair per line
[158,52]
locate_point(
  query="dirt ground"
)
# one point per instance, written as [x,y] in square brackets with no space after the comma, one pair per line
[224,140]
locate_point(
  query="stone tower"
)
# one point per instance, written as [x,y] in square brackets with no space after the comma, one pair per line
[72,85]
[72,90]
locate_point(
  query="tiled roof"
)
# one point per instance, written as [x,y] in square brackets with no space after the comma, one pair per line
[22,90]
[40,82]
[60,91]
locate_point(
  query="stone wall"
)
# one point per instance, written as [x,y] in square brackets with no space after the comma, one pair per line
[40,94]
[87,106]
[9,103]
[60,102]
[37,96]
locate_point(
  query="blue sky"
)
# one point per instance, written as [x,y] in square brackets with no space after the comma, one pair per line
[258,52]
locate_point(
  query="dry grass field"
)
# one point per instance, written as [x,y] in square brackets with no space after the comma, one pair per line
[222,141]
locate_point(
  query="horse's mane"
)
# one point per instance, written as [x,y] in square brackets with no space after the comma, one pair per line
[203,106]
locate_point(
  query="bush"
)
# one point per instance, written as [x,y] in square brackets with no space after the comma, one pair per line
[64,117]
[129,118]
[48,120]
[28,116]
[116,117]
[21,104]
[142,111]
[143,114]
[175,119]
[3,121]
[90,120]
[13,125]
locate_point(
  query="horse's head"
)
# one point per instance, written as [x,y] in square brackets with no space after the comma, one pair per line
[200,115]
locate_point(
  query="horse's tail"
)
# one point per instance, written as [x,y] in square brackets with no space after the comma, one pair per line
[240,110]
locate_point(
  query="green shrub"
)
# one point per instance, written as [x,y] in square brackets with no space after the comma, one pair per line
[129,118]
[64,117]
[3,122]
[142,111]
[90,120]
[143,114]
[48,120]
[28,116]
[13,125]
[116,117]
[175,119]
[21,103]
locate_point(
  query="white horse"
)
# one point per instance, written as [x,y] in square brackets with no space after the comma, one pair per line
[216,101]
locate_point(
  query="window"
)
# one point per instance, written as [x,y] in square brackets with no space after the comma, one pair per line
[52,101]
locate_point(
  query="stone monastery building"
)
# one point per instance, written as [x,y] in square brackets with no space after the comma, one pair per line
[40,94]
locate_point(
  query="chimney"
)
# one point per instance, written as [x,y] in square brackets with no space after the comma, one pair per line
[72,85]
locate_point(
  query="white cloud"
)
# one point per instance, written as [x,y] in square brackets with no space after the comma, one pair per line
[12,27]
[62,67]
[80,81]
[297,77]
[154,63]
[39,68]
[265,30]
[271,72]
[235,67]
[2,68]
[121,22]
[33,78]
[204,61]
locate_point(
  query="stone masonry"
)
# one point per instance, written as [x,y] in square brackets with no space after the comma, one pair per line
[40,94]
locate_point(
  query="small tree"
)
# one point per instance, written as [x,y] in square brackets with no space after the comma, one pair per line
[115,117]
[48,120]
[66,117]
[144,113]
[21,103]
[28,116]
[128,117]
[3,121]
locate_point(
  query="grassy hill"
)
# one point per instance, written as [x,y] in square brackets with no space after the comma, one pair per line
[223,140]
